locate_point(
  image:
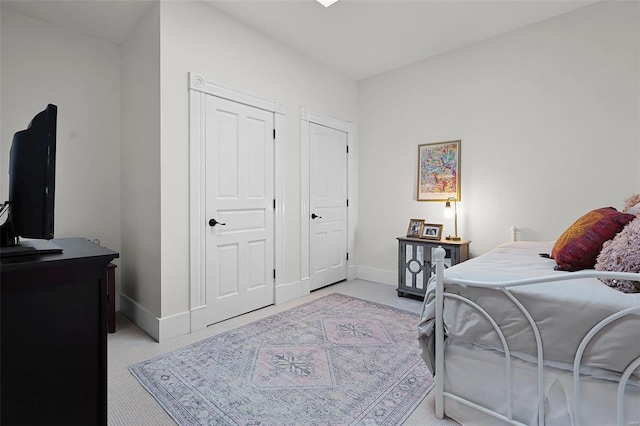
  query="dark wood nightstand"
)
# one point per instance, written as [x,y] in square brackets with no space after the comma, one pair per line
[416,262]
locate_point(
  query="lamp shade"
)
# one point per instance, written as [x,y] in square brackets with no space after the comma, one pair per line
[447,204]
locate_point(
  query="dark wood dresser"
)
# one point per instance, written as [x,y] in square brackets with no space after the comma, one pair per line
[53,365]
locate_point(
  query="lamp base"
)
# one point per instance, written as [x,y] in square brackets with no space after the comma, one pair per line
[453,238]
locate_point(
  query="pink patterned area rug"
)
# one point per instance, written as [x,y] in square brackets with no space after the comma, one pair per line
[337,360]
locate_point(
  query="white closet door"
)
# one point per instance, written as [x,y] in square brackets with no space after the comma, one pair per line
[239,233]
[327,205]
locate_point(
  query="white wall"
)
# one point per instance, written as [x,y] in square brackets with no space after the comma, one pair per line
[41,64]
[3,157]
[141,172]
[196,37]
[548,118]
[123,170]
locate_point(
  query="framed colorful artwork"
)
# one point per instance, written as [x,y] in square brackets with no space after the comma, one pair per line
[439,171]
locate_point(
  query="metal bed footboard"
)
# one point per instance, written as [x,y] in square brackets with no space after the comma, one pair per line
[504,287]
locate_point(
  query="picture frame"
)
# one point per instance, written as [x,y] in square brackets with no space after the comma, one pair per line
[415,228]
[439,171]
[431,231]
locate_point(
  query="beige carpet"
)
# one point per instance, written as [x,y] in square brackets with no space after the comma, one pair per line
[130,404]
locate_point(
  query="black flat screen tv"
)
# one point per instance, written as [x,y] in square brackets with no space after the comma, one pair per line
[32,179]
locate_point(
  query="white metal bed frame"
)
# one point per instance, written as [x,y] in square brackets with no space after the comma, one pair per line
[504,286]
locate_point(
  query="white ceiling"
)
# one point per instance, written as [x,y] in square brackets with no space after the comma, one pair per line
[359,38]
[110,21]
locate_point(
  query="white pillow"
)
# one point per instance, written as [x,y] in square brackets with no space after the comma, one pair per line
[634,210]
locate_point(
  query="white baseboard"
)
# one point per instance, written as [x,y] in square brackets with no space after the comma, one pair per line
[381,276]
[352,272]
[175,326]
[163,329]
[160,329]
[295,290]
[287,292]
[305,286]
[140,316]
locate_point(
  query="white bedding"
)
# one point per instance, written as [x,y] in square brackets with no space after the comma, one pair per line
[564,311]
[479,375]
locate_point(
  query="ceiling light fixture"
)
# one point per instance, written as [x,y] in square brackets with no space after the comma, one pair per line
[326,3]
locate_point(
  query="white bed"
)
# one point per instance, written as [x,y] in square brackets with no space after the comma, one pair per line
[515,334]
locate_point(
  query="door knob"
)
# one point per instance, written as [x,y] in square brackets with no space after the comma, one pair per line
[313,216]
[213,222]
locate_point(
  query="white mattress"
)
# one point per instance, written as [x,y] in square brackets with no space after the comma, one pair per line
[478,375]
[564,311]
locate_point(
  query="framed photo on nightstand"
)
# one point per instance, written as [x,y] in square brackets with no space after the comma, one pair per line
[431,231]
[415,228]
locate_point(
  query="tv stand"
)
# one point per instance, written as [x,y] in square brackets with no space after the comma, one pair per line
[53,336]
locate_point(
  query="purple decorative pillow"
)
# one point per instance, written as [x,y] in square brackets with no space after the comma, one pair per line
[622,254]
[579,246]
